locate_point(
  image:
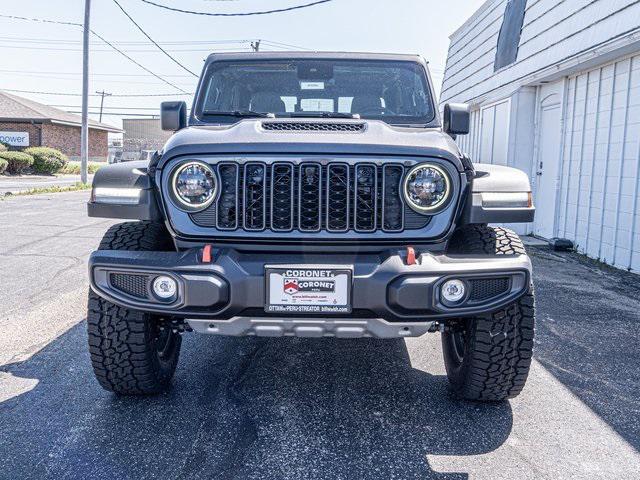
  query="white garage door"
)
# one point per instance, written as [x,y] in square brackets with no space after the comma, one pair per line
[488,140]
[599,204]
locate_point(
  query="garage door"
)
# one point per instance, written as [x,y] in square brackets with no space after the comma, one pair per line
[599,204]
[488,139]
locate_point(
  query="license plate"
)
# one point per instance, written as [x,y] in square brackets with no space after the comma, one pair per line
[307,290]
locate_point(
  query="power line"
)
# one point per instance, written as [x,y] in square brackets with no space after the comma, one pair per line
[117,114]
[123,95]
[105,108]
[58,22]
[60,49]
[152,40]
[137,63]
[40,20]
[279,44]
[121,43]
[42,72]
[246,14]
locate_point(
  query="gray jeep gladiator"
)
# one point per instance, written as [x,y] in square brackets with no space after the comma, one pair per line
[312,195]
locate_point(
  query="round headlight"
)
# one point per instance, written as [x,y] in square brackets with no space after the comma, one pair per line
[426,188]
[194,185]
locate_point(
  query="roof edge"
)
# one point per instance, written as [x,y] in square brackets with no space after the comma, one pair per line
[107,128]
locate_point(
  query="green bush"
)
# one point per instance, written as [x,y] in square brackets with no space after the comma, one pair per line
[73,167]
[3,147]
[47,160]
[17,162]
[3,165]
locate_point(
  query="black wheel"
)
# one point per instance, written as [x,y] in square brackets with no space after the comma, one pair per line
[488,357]
[132,353]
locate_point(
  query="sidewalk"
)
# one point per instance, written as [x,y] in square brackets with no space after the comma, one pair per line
[19,183]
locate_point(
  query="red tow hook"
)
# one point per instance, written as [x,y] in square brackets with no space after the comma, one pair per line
[206,254]
[411,256]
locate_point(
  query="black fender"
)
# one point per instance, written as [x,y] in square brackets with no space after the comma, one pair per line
[133,176]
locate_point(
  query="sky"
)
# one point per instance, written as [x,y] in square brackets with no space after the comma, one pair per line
[45,57]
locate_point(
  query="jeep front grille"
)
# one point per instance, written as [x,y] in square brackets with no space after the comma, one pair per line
[310,197]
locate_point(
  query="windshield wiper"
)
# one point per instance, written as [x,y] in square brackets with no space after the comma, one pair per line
[320,115]
[240,114]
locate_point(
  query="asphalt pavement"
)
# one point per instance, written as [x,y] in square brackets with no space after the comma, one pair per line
[252,408]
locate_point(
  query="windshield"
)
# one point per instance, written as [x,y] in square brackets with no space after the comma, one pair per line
[392,91]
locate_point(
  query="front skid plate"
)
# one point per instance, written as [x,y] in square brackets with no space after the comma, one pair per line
[313,328]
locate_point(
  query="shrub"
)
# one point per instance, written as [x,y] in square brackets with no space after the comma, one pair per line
[73,167]
[47,160]
[17,162]
[3,165]
[3,147]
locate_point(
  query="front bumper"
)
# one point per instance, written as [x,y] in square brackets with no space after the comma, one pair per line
[227,296]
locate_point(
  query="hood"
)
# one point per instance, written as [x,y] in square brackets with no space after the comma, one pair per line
[311,136]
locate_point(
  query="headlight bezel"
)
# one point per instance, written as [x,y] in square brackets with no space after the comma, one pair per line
[178,201]
[442,203]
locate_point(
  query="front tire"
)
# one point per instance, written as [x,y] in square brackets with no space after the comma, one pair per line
[132,352]
[488,357]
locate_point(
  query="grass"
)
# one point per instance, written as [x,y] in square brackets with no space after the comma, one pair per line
[73,168]
[56,189]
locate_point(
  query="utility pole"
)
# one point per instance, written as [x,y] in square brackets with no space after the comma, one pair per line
[103,94]
[84,137]
[255,46]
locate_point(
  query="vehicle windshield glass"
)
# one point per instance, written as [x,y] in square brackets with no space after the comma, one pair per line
[396,92]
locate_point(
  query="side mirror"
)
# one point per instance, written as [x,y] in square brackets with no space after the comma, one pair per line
[456,119]
[173,115]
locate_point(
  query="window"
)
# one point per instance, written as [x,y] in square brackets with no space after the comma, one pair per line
[509,38]
[396,92]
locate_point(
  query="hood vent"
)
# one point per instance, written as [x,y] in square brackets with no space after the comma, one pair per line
[313,127]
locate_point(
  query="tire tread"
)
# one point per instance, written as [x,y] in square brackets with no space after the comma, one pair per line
[500,350]
[121,340]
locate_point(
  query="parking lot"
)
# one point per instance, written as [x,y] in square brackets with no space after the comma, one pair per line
[300,408]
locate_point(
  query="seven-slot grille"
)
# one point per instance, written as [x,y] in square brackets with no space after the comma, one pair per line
[310,197]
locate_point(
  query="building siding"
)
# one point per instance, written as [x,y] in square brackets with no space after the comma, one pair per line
[553,31]
[581,60]
[67,140]
[600,208]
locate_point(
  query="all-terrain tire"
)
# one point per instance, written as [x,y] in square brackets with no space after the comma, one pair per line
[131,353]
[488,357]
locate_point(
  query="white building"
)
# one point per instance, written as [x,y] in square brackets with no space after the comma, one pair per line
[554,87]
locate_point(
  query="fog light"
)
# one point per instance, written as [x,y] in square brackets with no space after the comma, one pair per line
[453,291]
[165,287]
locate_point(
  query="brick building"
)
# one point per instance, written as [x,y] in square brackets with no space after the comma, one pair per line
[25,123]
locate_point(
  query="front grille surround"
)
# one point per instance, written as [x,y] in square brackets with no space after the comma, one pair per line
[254,188]
[282,209]
[277,219]
[338,210]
